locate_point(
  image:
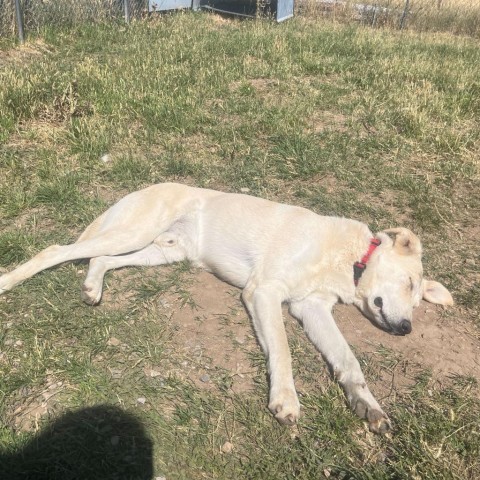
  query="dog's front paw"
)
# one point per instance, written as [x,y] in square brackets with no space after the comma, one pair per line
[285,406]
[4,284]
[378,421]
[90,295]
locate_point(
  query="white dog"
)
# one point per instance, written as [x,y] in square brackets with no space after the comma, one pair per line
[276,253]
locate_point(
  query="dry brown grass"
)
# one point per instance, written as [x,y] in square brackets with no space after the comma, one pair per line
[457,17]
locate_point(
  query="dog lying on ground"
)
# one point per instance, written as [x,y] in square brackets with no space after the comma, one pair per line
[276,253]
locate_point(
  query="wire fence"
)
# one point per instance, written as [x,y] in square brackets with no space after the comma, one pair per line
[23,17]
[33,15]
[454,16]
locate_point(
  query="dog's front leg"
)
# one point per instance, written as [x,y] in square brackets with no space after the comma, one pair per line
[322,330]
[265,307]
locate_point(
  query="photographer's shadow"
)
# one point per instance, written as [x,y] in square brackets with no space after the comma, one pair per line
[96,443]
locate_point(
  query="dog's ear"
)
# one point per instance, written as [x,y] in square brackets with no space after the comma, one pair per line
[435,292]
[405,241]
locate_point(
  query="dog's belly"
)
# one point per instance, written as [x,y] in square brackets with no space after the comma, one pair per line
[237,234]
[231,265]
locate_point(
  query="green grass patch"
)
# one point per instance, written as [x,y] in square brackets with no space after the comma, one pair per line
[377,125]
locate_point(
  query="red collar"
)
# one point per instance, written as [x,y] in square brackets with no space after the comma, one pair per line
[359,267]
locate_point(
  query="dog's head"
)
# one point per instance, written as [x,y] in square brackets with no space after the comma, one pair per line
[393,284]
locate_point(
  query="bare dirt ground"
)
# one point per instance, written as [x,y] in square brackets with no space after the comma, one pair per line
[442,343]
[217,333]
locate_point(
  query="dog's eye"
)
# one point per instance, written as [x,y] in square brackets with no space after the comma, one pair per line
[378,302]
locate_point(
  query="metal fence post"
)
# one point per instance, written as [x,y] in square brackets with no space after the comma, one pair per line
[127,11]
[404,14]
[374,19]
[19,17]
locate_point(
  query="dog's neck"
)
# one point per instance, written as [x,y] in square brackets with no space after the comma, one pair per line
[351,240]
[360,266]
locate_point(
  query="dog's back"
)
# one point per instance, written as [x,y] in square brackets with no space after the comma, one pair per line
[156,207]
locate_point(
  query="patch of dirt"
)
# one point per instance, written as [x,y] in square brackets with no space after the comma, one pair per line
[219,334]
[267,89]
[324,120]
[215,334]
[445,346]
[34,132]
[28,52]
[34,403]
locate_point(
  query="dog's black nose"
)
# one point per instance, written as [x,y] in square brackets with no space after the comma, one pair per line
[378,302]
[405,327]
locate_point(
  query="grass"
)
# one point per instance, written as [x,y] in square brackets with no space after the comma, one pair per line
[378,125]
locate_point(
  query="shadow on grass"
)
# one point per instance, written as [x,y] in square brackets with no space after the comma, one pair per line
[101,442]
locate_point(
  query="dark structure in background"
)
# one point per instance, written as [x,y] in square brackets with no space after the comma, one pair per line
[25,15]
[278,9]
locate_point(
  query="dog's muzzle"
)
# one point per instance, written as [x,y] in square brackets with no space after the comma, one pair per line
[402,329]
[405,327]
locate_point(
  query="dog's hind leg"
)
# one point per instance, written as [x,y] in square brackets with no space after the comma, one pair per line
[131,224]
[165,250]
[322,330]
[111,242]
[264,304]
